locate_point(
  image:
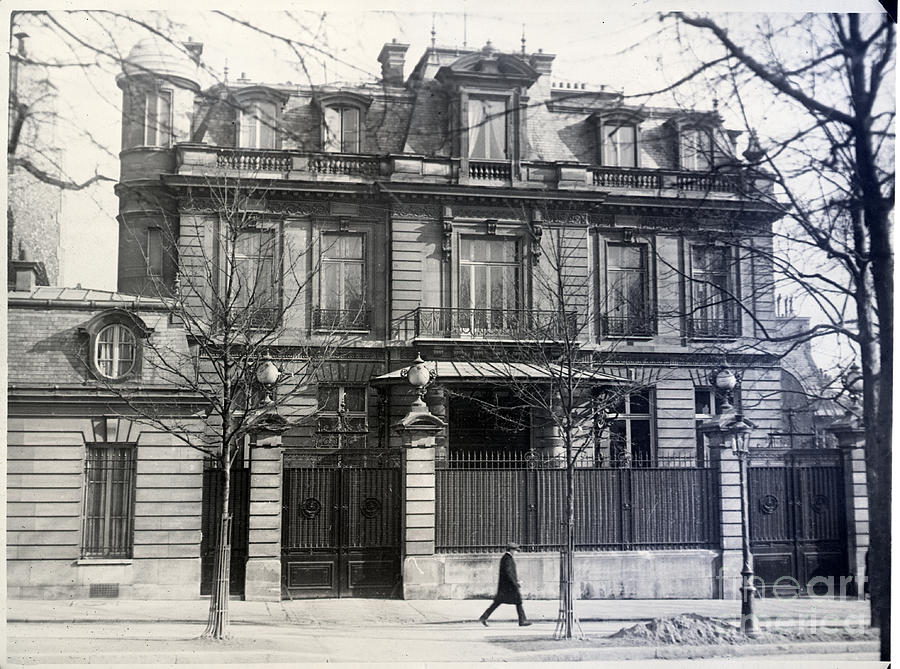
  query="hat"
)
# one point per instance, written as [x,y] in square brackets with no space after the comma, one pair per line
[512,547]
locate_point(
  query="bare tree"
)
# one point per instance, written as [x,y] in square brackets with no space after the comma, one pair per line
[834,183]
[241,285]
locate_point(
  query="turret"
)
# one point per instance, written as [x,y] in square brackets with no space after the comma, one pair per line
[159,82]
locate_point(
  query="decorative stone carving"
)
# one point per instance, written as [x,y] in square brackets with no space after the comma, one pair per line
[446,234]
[415,211]
[484,213]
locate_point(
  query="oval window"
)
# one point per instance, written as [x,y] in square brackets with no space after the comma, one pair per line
[114,351]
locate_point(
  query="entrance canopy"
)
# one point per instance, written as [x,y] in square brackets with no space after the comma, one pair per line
[448,372]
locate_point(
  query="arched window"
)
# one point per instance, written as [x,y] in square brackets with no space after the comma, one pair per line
[114,351]
[619,145]
[257,123]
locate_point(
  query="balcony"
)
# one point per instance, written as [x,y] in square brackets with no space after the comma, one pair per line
[701,327]
[635,325]
[203,160]
[510,324]
[341,320]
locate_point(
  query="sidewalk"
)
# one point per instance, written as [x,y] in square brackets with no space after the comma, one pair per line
[392,612]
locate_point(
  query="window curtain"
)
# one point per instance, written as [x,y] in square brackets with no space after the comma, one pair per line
[487,129]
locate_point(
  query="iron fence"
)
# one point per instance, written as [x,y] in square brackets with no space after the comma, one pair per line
[341,319]
[492,323]
[483,504]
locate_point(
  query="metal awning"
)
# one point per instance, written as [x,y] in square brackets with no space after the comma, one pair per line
[448,372]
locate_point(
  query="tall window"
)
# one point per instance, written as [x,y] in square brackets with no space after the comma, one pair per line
[253,277]
[108,518]
[628,291]
[258,126]
[342,418]
[489,293]
[158,118]
[342,129]
[619,145]
[342,302]
[115,351]
[487,129]
[630,440]
[154,252]
[696,150]
[713,311]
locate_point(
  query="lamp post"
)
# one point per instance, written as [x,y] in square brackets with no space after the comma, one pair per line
[730,430]
[419,377]
[267,374]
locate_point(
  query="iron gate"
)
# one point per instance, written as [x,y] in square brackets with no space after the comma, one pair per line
[341,531]
[798,525]
[239,507]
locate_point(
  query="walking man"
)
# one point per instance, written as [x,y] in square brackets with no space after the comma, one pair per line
[507,588]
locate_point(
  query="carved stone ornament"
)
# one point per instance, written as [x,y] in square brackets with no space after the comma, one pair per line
[485,213]
[447,240]
[416,211]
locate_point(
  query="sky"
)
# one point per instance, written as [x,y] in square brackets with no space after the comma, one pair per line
[620,48]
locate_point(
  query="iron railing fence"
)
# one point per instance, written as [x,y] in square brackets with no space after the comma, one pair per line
[108,525]
[506,459]
[481,509]
[342,457]
[515,324]
[341,319]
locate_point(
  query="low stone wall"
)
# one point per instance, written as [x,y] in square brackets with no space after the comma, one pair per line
[136,579]
[663,574]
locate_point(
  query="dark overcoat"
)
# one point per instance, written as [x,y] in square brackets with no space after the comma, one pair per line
[508,584]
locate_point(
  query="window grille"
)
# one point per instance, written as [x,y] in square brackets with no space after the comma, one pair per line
[108,517]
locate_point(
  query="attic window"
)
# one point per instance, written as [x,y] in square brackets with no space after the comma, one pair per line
[618,136]
[343,121]
[696,149]
[257,125]
[114,344]
[488,128]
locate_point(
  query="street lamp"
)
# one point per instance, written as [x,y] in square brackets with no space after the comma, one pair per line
[729,429]
[419,377]
[267,374]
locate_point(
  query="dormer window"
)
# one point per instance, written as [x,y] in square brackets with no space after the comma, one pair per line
[488,137]
[257,126]
[696,149]
[343,121]
[341,131]
[114,344]
[618,136]
[619,145]
[258,116]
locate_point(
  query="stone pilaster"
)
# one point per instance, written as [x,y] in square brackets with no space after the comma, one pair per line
[851,438]
[727,465]
[263,580]
[418,499]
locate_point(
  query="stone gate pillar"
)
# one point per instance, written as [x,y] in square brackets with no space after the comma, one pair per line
[851,439]
[727,466]
[263,579]
[418,431]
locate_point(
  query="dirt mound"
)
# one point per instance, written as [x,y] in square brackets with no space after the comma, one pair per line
[687,628]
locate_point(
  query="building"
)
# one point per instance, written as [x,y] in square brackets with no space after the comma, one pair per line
[431,209]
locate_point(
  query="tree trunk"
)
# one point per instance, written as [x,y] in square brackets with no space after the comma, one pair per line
[217,621]
[565,626]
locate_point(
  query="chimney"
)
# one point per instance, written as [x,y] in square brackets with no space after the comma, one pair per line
[541,61]
[194,48]
[27,274]
[392,59]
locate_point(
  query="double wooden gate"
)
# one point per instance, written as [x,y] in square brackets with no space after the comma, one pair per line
[798,525]
[341,531]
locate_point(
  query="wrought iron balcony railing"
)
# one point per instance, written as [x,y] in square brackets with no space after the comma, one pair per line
[341,319]
[636,325]
[493,323]
[701,326]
